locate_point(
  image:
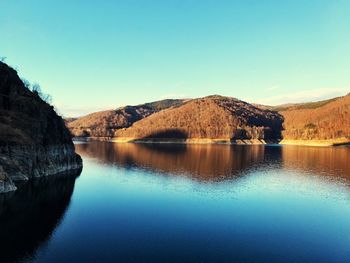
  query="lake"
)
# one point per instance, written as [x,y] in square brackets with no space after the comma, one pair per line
[185,203]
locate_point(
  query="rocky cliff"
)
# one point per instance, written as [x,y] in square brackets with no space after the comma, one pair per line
[34,141]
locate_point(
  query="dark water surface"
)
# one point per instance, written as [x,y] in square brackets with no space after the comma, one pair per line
[178,203]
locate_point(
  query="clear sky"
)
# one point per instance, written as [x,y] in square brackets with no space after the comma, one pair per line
[92,55]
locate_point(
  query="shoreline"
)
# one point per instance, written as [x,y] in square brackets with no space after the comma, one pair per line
[317,143]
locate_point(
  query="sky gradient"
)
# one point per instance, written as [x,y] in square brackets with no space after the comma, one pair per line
[93,55]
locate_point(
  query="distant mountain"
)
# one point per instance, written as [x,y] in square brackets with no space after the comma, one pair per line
[68,120]
[302,106]
[323,120]
[106,123]
[213,117]
[222,119]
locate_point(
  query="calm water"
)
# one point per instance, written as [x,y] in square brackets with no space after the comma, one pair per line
[177,203]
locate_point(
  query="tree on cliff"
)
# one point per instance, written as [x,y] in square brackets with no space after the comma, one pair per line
[36,89]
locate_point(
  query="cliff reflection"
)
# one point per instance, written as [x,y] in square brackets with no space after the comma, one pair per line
[29,216]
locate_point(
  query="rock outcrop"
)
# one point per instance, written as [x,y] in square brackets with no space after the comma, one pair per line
[34,141]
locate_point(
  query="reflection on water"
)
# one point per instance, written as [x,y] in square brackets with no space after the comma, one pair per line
[185,203]
[202,162]
[29,216]
[327,161]
[219,162]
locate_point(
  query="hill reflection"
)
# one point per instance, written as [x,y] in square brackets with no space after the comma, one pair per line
[203,162]
[327,161]
[219,162]
[29,216]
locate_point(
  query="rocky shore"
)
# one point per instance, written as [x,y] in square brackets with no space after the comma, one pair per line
[23,163]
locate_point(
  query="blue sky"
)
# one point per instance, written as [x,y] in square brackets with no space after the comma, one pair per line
[92,55]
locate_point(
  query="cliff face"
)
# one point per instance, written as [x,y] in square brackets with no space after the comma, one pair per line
[105,123]
[213,117]
[34,141]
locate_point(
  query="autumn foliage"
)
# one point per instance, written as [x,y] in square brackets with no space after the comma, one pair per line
[213,117]
[218,117]
[106,123]
[318,121]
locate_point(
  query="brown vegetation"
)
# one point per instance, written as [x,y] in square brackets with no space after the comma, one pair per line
[105,123]
[214,117]
[324,120]
[221,118]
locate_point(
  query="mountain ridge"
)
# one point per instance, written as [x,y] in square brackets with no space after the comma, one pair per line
[292,129]
[241,120]
[104,123]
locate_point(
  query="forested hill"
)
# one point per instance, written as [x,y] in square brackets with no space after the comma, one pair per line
[323,120]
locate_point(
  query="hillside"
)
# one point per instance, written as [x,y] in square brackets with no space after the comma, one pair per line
[324,120]
[34,141]
[213,117]
[302,106]
[105,123]
[222,118]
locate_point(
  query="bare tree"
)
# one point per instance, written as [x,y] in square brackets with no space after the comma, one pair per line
[36,89]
